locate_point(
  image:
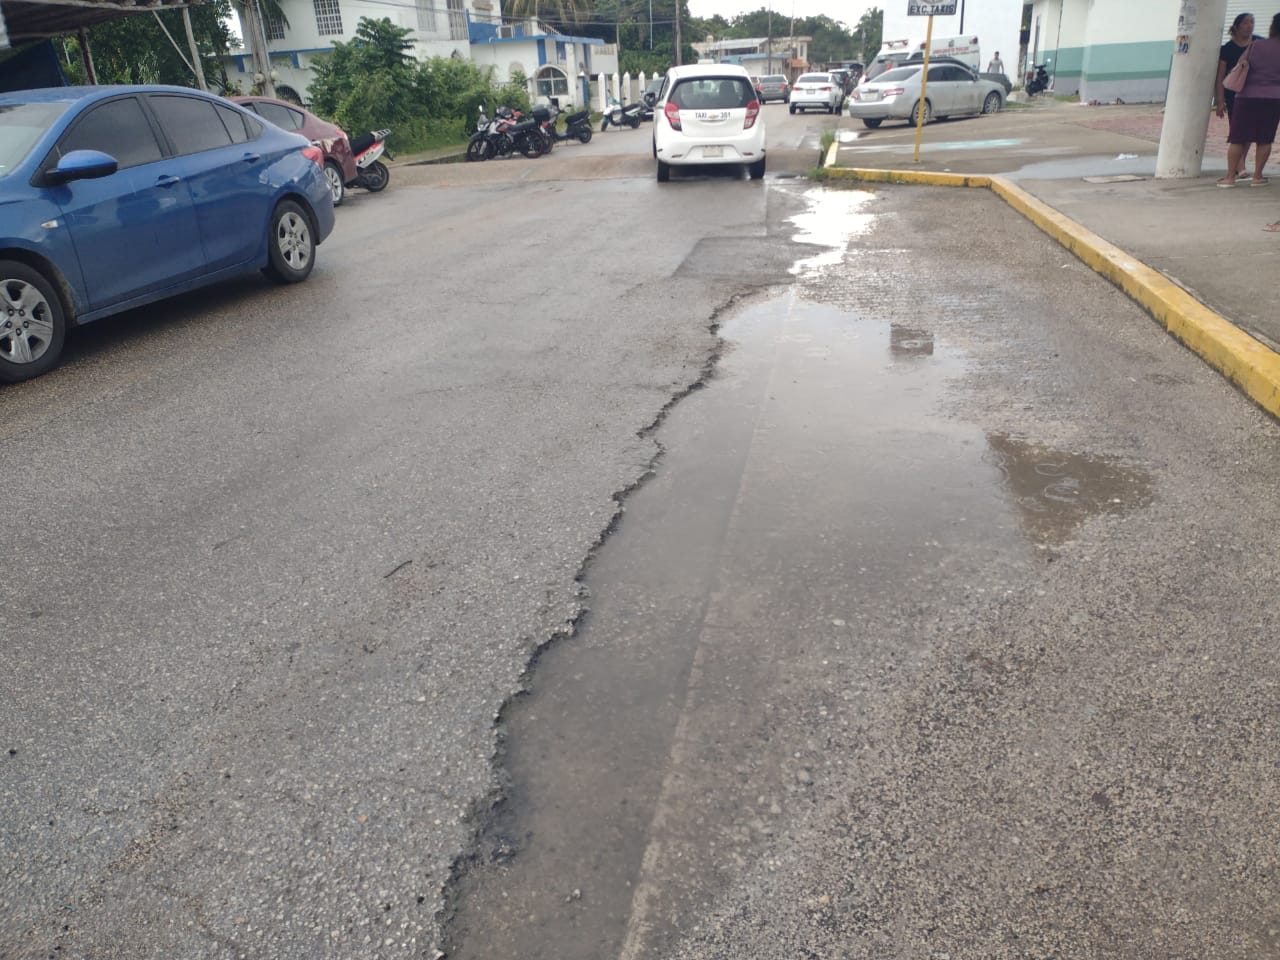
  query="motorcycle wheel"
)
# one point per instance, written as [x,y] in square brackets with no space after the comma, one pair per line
[635,123]
[479,148]
[585,134]
[376,176]
[531,147]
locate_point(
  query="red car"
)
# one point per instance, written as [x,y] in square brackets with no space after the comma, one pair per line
[339,161]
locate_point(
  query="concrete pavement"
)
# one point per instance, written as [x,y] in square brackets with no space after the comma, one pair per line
[1095,166]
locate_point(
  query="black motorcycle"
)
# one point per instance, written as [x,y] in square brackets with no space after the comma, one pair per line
[507,133]
[1038,82]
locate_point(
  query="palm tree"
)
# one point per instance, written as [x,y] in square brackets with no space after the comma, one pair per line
[574,12]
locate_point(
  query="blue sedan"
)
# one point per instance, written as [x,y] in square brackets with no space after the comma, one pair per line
[113,197]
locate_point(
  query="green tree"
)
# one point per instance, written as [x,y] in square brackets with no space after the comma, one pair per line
[368,81]
[868,35]
[134,49]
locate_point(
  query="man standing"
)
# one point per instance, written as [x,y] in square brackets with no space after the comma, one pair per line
[996,65]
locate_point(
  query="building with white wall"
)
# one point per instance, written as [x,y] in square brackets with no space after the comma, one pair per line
[556,65]
[996,24]
[760,56]
[559,67]
[1111,49]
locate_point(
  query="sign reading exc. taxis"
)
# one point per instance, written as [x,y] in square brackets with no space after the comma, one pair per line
[917,8]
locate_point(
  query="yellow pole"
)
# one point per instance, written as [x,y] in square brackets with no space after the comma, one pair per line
[924,83]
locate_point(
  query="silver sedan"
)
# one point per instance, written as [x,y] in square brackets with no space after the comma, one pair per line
[952,91]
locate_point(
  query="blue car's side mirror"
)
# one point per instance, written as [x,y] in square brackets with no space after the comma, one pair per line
[83,165]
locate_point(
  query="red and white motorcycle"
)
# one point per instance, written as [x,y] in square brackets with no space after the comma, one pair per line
[372,173]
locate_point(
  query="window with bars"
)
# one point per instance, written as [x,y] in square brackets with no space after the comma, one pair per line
[328,17]
[426,15]
[457,20]
[274,27]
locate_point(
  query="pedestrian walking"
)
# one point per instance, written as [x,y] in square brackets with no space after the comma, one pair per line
[1228,56]
[996,65]
[1255,113]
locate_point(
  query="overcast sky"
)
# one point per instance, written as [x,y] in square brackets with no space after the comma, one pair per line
[847,11]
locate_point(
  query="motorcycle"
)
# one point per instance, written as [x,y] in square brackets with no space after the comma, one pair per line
[506,133]
[618,115]
[577,126]
[372,173]
[1037,82]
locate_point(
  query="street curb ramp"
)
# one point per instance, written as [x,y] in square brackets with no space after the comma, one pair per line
[1248,363]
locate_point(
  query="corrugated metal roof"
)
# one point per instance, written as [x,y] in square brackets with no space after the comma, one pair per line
[36,19]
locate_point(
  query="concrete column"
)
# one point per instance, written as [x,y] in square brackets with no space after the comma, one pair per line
[1191,82]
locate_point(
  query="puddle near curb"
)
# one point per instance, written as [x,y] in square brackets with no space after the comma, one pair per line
[833,219]
[767,591]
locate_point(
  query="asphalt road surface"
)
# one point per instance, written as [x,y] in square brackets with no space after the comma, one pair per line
[937,623]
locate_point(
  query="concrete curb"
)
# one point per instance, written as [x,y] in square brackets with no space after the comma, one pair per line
[1249,364]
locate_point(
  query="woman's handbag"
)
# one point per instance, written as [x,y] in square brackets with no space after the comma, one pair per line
[1234,81]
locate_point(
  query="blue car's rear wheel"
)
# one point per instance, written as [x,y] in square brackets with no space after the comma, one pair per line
[291,244]
[33,327]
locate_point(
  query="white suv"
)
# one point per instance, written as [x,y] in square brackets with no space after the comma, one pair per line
[708,113]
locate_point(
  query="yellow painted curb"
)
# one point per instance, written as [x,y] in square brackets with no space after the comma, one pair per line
[909,176]
[832,152]
[1248,363]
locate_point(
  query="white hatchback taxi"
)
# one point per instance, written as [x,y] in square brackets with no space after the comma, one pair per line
[708,113]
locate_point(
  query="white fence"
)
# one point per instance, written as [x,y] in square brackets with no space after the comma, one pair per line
[626,88]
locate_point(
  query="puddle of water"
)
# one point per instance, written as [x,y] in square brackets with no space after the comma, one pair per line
[833,219]
[817,507]
[1055,492]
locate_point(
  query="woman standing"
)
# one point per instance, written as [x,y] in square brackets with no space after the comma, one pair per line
[1255,113]
[1228,56]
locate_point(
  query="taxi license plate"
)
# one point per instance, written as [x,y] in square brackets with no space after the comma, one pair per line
[712,153]
[871,95]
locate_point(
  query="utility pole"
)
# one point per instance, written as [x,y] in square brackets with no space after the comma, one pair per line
[1191,82]
[679,42]
[768,40]
[196,65]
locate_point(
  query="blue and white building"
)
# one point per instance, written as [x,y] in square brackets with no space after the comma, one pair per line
[555,64]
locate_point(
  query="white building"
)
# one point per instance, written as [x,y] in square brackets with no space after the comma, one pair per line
[996,23]
[556,65]
[1111,49]
[760,56]
[559,67]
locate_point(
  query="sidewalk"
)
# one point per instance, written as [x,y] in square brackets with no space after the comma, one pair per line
[1095,165]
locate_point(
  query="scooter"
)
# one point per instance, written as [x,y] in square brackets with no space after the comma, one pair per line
[577,126]
[1039,81]
[618,115]
[372,173]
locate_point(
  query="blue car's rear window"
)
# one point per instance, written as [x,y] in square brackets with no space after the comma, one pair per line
[21,125]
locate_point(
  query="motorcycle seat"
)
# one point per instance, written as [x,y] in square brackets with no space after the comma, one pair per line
[522,126]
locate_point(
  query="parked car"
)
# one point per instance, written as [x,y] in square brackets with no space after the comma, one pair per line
[708,114]
[339,159]
[845,78]
[774,86]
[114,197]
[1001,79]
[819,91]
[953,90]
[650,97]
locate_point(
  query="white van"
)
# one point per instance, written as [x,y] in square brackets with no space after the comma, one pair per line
[894,53]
